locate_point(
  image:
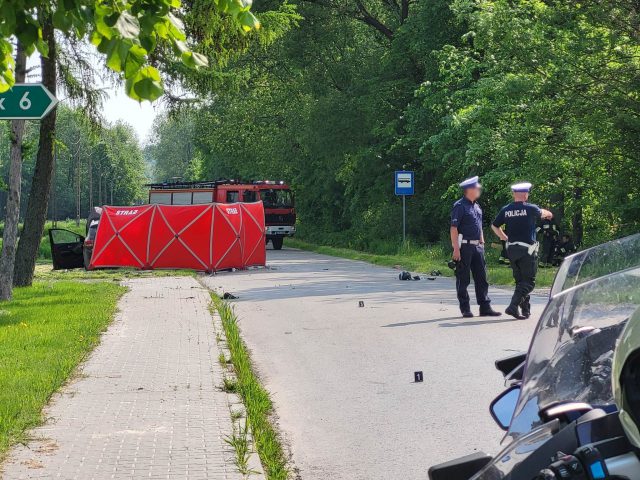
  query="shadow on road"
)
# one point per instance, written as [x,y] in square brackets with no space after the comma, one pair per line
[407,324]
[478,322]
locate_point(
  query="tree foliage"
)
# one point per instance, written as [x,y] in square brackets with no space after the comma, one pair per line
[126,32]
[171,153]
[545,91]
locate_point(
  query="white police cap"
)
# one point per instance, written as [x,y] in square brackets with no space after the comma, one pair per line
[473,182]
[521,187]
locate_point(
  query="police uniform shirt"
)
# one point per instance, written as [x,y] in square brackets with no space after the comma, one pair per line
[466,216]
[520,219]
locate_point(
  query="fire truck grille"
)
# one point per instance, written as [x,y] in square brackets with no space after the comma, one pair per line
[286,219]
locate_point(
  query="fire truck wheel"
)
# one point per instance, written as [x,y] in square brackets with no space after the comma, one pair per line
[277,243]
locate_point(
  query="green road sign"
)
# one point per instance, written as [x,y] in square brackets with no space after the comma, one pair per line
[26,101]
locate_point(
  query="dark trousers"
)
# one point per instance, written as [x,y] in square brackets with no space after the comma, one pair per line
[472,263]
[548,249]
[524,268]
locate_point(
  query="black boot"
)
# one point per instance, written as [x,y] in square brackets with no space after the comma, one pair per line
[467,314]
[489,312]
[525,306]
[514,312]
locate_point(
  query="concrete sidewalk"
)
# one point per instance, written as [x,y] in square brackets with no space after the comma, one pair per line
[146,403]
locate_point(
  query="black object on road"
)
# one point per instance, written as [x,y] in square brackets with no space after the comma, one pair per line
[418,377]
[404,276]
[360,303]
[228,296]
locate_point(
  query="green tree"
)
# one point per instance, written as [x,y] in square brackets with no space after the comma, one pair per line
[95,165]
[127,34]
[171,150]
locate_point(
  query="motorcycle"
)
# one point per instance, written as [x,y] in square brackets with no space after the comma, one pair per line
[558,410]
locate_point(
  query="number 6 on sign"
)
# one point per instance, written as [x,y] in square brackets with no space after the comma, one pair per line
[25,103]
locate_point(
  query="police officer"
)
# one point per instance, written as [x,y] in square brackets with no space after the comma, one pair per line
[467,240]
[520,219]
[564,248]
[550,235]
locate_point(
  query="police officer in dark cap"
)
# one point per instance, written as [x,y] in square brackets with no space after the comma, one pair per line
[520,219]
[467,240]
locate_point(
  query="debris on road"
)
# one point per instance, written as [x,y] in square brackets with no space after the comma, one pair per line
[228,296]
[418,376]
[404,275]
[360,304]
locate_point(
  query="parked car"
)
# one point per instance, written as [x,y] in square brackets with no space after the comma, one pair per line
[87,248]
[92,229]
[66,249]
[72,250]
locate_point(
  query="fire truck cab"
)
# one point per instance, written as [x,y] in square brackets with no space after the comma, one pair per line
[279,208]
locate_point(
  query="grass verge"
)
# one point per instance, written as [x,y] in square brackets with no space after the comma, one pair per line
[254,396]
[45,331]
[424,259]
[239,441]
[46,272]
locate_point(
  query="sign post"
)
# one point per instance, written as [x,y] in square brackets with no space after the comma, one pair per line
[404,185]
[26,101]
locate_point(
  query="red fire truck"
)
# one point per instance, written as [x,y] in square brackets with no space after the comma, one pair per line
[279,208]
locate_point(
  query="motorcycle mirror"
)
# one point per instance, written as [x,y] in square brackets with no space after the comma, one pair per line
[504,405]
[509,364]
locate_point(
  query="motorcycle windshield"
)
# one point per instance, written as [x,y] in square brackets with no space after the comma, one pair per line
[597,262]
[571,353]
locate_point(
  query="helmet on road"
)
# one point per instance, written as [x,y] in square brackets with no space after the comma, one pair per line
[626,378]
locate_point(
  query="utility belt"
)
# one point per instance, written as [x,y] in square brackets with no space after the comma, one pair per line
[464,241]
[532,248]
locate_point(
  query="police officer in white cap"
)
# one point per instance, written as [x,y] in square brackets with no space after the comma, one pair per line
[467,240]
[520,219]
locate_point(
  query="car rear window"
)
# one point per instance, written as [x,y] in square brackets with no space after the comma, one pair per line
[93,229]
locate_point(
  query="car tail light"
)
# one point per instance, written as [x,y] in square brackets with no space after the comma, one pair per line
[88,243]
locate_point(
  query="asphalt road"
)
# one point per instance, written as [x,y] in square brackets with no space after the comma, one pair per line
[341,376]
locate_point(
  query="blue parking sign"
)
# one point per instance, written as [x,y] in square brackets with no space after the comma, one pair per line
[405,182]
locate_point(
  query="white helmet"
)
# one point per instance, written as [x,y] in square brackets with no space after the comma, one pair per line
[626,378]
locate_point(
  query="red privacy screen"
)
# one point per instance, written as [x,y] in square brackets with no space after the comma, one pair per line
[200,237]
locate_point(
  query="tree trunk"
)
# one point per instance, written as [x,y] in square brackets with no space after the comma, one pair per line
[10,235]
[36,215]
[577,220]
[404,10]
